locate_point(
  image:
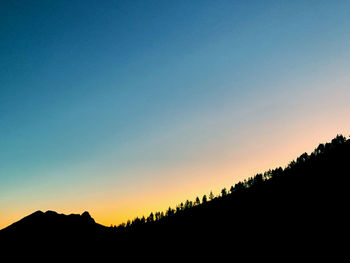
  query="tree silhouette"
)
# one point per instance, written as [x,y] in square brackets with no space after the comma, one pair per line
[158,216]
[188,204]
[143,220]
[211,196]
[197,202]
[170,212]
[239,186]
[232,189]
[150,218]
[181,206]
[273,200]
[223,192]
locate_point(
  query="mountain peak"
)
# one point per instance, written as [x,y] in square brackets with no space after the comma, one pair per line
[86,214]
[37,213]
[53,222]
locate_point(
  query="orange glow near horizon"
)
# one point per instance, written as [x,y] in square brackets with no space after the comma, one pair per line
[118,109]
[203,180]
[220,160]
[107,209]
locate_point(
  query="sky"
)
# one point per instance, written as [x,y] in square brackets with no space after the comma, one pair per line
[122,108]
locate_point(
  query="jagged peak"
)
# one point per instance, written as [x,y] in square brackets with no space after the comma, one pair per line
[86,214]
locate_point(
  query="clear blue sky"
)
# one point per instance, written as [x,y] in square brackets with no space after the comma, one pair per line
[101,97]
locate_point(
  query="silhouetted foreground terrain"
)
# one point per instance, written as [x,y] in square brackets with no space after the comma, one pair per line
[51,223]
[306,202]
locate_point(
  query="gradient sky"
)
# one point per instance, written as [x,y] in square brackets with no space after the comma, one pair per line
[121,108]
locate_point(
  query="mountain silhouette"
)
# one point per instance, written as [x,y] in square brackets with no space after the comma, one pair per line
[292,207]
[51,223]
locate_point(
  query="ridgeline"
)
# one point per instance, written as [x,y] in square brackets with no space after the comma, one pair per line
[304,201]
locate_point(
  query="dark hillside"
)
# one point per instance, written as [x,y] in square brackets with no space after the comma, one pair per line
[306,201]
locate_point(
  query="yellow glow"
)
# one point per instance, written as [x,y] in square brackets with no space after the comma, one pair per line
[260,147]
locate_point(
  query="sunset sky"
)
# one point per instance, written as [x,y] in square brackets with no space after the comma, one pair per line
[121,108]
